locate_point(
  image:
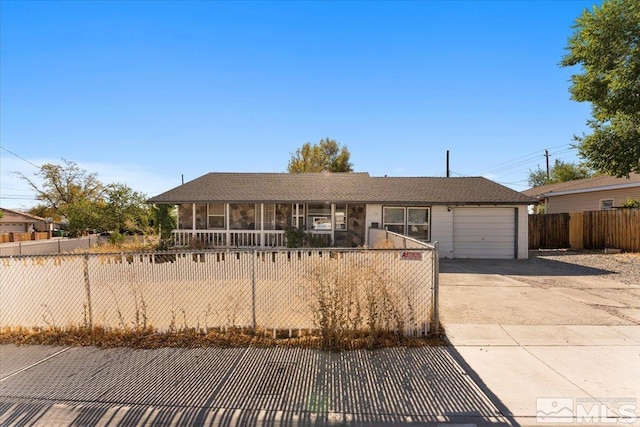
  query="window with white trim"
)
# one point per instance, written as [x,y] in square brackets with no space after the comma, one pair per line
[393,219]
[606,204]
[410,221]
[418,223]
[216,216]
[341,217]
[298,215]
[318,217]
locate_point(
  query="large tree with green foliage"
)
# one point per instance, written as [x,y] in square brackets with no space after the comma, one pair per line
[125,210]
[67,191]
[559,172]
[325,156]
[606,45]
[60,185]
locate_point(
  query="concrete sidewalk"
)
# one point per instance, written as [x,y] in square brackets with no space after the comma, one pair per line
[544,344]
[531,369]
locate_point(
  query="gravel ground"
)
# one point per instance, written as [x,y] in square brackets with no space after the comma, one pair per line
[626,266]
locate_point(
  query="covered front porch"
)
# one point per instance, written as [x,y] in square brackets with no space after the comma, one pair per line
[265,224]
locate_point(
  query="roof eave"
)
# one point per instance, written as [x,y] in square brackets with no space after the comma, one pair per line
[590,189]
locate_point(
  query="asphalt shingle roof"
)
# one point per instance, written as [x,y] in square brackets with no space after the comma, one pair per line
[339,188]
[593,183]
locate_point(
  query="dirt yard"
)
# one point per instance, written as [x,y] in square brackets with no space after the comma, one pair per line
[624,267]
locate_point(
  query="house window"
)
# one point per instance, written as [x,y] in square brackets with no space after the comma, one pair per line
[418,223]
[319,217]
[393,219]
[341,217]
[606,204]
[410,221]
[216,216]
[298,215]
[269,219]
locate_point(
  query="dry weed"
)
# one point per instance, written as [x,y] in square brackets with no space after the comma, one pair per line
[192,338]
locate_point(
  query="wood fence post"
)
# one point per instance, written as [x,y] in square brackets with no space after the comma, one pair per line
[576,240]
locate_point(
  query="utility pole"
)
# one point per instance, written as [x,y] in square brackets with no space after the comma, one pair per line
[447,163]
[546,154]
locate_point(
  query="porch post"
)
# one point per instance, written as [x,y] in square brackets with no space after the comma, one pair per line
[261,225]
[226,224]
[193,221]
[333,223]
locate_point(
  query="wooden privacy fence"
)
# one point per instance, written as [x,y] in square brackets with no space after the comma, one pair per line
[549,231]
[618,229]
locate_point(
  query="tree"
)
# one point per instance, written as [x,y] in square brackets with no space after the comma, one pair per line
[84,215]
[63,185]
[325,156]
[164,220]
[70,192]
[125,210]
[559,172]
[606,44]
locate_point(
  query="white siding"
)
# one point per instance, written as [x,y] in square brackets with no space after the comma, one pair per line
[373,214]
[442,229]
[590,201]
[523,232]
[484,218]
[484,232]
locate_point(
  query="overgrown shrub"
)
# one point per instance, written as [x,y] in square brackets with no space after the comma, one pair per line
[116,238]
[299,238]
[355,301]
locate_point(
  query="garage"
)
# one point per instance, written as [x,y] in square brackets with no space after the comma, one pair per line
[480,232]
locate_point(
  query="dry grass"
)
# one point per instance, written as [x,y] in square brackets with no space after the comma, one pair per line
[191,338]
[359,302]
[135,244]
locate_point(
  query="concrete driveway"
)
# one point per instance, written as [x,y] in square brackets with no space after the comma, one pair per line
[550,343]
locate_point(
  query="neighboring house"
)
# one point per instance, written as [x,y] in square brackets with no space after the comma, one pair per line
[22,222]
[589,194]
[469,217]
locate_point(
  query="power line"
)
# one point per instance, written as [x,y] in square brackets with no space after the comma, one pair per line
[18,198]
[520,161]
[20,157]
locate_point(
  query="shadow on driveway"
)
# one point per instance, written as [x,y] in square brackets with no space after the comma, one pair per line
[533,266]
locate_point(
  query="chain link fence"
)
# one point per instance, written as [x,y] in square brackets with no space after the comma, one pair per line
[57,245]
[274,291]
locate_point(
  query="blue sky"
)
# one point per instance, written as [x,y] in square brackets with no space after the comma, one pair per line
[143,92]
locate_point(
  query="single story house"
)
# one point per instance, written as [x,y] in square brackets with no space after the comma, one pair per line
[22,222]
[589,194]
[469,217]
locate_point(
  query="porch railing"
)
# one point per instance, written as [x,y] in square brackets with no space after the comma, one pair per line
[230,238]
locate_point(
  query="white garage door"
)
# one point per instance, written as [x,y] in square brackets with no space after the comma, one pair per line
[483,232]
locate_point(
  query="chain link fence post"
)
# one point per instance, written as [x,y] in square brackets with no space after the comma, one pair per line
[87,289]
[436,287]
[253,290]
